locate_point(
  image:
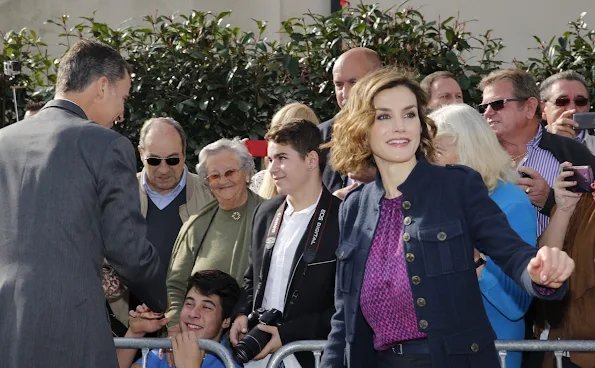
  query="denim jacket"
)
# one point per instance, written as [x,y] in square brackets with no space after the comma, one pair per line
[447,213]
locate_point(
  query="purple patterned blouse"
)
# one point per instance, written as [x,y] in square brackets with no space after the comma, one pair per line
[386,299]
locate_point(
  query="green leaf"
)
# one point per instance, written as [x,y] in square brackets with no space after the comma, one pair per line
[203,103]
[244,106]
[291,64]
[464,82]
[214,86]
[452,58]
[446,21]
[450,35]
[224,105]
[360,28]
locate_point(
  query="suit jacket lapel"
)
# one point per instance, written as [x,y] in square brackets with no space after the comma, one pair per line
[68,106]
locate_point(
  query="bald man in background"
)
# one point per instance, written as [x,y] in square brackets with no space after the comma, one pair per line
[350,67]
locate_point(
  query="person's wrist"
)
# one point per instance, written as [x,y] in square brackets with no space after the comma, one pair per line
[565,211]
[131,333]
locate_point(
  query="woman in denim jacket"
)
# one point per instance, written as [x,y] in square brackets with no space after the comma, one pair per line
[407,293]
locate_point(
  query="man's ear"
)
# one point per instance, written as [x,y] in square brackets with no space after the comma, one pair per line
[226,323]
[101,86]
[140,152]
[313,160]
[532,103]
[543,115]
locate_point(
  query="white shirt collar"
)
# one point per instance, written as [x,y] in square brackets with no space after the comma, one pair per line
[173,193]
[289,211]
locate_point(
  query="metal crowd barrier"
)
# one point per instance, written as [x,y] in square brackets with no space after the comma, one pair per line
[558,347]
[146,344]
[315,346]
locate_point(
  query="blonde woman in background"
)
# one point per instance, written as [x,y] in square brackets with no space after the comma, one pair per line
[262,182]
[465,138]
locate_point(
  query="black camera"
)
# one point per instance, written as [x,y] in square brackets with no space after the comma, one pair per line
[12,68]
[256,339]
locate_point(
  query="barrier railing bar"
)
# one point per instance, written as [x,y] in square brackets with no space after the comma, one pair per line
[164,343]
[145,352]
[558,347]
[317,356]
[296,347]
[558,355]
[502,354]
[546,345]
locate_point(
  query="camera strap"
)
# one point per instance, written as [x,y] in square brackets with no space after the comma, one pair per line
[315,227]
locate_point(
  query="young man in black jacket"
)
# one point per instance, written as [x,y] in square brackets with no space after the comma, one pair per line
[294,239]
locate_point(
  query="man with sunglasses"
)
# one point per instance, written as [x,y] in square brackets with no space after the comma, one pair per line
[563,95]
[511,105]
[169,195]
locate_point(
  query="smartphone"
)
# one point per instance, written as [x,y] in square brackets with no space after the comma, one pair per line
[585,120]
[583,175]
[525,175]
[257,148]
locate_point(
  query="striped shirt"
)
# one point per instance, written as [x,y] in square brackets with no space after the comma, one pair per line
[546,165]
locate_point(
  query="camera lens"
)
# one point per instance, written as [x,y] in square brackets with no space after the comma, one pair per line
[251,345]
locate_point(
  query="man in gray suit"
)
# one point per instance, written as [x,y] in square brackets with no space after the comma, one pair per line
[69,198]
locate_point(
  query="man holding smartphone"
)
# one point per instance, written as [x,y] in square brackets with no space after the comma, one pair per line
[563,95]
[571,229]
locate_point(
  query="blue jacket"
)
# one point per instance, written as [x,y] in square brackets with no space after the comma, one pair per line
[449,212]
[505,302]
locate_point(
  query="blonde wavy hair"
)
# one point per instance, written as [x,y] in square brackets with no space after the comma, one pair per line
[350,146]
[291,111]
[476,144]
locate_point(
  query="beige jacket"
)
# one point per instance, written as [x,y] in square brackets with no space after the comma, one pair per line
[197,196]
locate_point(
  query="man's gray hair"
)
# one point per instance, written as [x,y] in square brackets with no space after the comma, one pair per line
[235,145]
[88,61]
[545,88]
[147,127]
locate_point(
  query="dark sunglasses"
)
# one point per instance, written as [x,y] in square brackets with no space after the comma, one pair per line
[228,175]
[580,101]
[496,105]
[156,161]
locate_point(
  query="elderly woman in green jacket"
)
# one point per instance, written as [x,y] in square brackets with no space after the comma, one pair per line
[218,237]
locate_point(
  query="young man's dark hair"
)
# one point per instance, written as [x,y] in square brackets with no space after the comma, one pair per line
[303,135]
[210,297]
[215,282]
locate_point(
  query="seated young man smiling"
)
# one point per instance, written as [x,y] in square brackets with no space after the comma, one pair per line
[210,298]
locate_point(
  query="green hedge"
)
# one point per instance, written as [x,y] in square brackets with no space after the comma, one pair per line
[220,81]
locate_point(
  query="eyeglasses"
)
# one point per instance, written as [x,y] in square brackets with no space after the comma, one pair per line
[229,174]
[496,105]
[580,101]
[156,161]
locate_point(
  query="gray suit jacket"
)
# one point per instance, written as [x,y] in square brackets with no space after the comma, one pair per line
[68,197]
